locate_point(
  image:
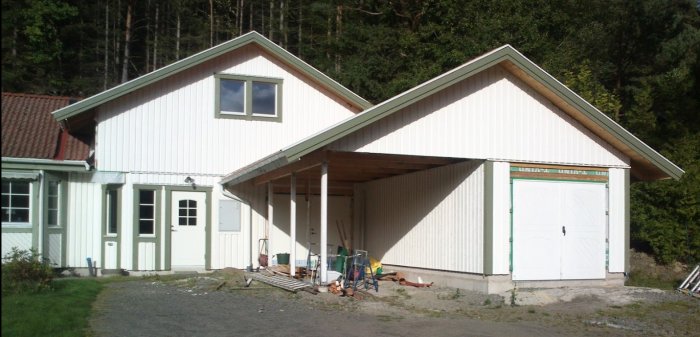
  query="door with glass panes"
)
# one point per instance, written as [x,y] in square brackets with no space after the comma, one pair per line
[187,225]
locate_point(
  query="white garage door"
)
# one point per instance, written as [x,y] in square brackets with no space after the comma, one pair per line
[558,230]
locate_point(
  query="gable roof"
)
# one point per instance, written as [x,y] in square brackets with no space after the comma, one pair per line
[201,57]
[647,164]
[29,131]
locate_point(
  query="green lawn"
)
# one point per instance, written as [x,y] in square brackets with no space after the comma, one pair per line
[63,311]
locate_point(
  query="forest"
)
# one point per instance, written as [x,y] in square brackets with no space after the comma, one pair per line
[637,61]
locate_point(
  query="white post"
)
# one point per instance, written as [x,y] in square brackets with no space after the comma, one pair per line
[293,224]
[324,222]
[270,216]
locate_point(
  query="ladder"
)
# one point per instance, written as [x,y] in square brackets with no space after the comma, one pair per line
[691,285]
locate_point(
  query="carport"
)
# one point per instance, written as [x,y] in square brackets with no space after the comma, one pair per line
[326,173]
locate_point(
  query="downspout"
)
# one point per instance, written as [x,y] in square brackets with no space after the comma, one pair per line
[40,239]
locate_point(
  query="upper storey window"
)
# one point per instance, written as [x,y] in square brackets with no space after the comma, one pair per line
[247,97]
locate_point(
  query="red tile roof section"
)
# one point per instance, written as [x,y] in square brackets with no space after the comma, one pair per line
[29,130]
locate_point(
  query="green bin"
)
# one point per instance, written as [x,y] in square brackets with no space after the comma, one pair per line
[283,258]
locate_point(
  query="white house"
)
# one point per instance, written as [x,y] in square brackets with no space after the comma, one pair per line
[490,175]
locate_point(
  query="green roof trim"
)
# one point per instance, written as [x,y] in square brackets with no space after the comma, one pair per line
[196,59]
[386,108]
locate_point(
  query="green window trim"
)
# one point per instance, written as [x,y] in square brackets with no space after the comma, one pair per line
[248,83]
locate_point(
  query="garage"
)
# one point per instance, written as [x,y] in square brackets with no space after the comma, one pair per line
[559,226]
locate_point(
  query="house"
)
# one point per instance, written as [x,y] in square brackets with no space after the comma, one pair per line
[38,158]
[491,175]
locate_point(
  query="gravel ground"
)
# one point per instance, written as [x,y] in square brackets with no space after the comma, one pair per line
[192,306]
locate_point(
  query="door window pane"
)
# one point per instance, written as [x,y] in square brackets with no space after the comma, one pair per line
[112,211]
[187,213]
[147,212]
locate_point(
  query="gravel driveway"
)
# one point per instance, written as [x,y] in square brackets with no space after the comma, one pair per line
[192,306]
[154,308]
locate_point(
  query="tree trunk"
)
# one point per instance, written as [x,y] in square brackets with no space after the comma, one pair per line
[147,64]
[272,18]
[299,35]
[211,23]
[106,64]
[155,40]
[127,40]
[281,23]
[338,31]
[177,36]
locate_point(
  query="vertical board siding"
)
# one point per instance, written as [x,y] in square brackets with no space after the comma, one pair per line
[491,115]
[147,256]
[19,240]
[429,219]
[616,220]
[170,125]
[55,244]
[110,257]
[501,218]
[84,221]
[339,210]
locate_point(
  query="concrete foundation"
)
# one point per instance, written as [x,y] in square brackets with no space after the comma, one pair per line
[496,284]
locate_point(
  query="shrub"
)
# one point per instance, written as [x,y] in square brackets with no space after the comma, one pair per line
[25,270]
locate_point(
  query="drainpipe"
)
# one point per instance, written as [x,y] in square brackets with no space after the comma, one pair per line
[40,239]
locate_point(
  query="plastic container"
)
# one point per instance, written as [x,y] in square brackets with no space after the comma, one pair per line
[283,258]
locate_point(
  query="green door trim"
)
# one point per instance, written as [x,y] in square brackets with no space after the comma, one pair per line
[168,219]
[156,230]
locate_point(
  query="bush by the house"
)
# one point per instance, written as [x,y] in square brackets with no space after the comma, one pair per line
[25,270]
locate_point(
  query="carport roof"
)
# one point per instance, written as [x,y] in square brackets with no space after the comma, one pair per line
[647,164]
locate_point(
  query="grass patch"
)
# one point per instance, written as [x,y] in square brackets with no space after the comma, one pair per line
[63,310]
[641,279]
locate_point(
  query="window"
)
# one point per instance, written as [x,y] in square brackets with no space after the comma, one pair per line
[147,212]
[246,97]
[53,190]
[15,202]
[187,213]
[112,211]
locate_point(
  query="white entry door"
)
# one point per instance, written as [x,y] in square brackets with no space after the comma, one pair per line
[187,223]
[558,230]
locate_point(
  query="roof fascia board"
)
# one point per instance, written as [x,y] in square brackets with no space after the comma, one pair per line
[43,164]
[191,61]
[263,166]
[595,115]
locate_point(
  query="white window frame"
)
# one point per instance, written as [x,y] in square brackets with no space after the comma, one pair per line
[10,208]
[58,223]
[109,210]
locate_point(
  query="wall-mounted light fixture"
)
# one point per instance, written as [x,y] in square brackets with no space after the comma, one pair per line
[189,180]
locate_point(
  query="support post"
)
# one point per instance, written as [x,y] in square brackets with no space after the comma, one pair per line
[324,222]
[293,224]
[270,215]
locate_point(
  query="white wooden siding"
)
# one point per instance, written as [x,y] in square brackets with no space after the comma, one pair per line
[54,253]
[84,221]
[147,256]
[339,209]
[19,240]
[170,126]
[616,220]
[501,218]
[110,257]
[492,115]
[430,219]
